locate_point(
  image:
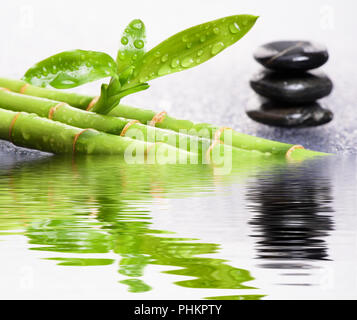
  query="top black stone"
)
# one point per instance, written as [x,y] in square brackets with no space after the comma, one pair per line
[291,55]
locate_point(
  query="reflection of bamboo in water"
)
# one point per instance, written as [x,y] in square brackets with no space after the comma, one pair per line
[22,217]
[119,226]
[138,245]
[32,191]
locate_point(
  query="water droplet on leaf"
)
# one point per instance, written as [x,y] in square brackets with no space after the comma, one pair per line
[165,57]
[124,40]
[144,79]
[187,62]
[215,30]
[234,27]
[136,25]
[218,47]
[138,44]
[165,69]
[175,63]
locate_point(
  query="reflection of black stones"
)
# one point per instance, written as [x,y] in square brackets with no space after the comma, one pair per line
[292,55]
[278,114]
[295,88]
[292,216]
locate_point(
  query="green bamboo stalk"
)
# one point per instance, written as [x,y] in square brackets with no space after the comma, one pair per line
[74,99]
[114,125]
[203,130]
[206,130]
[32,131]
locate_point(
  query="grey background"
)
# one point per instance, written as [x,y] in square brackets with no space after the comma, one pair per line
[216,91]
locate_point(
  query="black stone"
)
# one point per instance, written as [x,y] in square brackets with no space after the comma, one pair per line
[292,55]
[293,88]
[279,114]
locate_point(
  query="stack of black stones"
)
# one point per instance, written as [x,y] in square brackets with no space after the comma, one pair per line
[287,89]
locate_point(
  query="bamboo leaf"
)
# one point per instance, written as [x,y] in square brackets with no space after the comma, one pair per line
[70,69]
[132,47]
[191,47]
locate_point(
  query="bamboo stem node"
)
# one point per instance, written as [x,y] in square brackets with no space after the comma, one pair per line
[150,147]
[12,125]
[54,109]
[24,88]
[291,150]
[92,103]
[159,117]
[76,139]
[127,126]
[218,133]
[209,150]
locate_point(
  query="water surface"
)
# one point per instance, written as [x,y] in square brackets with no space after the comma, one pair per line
[95,227]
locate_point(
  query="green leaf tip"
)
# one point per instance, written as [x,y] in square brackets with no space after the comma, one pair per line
[192,47]
[132,45]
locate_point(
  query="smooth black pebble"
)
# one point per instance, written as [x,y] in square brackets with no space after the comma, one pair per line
[292,55]
[293,116]
[293,88]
